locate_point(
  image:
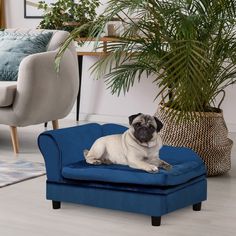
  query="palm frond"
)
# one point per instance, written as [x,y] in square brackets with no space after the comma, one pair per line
[188,45]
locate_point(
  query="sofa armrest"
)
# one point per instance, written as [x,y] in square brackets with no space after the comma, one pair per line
[63,147]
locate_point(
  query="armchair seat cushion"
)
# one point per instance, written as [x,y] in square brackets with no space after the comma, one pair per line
[7,93]
[186,167]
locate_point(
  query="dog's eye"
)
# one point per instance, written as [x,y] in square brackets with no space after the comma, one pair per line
[137,124]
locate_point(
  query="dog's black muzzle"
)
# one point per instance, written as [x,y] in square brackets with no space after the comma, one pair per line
[143,134]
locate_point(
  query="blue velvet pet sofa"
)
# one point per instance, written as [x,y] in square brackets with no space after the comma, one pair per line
[71,179]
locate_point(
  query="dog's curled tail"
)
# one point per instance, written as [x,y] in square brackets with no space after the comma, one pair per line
[86,151]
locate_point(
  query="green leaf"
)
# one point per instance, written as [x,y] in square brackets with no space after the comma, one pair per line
[189,46]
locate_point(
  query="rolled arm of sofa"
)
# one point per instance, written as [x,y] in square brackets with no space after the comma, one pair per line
[63,147]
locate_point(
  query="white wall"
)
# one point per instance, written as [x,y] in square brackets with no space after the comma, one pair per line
[96,102]
[15,15]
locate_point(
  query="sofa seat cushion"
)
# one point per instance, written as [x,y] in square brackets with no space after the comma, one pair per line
[7,93]
[187,165]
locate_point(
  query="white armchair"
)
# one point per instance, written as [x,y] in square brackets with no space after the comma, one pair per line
[40,93]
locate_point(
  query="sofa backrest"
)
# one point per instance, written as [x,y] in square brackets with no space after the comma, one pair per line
[108,129]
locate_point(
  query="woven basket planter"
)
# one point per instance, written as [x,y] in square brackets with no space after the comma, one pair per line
[208,136]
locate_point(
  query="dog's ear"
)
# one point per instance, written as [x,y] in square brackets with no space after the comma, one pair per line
[131,118]
[159,124]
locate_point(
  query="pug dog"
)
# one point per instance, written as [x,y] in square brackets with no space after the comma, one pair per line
[138,147]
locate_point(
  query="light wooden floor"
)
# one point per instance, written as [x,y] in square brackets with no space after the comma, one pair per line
[25,212]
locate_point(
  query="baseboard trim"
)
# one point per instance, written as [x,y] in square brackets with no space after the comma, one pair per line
[121,119]
[83,117]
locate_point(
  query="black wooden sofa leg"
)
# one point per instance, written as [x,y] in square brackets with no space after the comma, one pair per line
[56,205]
[156,220]
[197,206]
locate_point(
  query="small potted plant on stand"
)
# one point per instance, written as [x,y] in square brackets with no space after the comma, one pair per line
[68,14]
[189,48]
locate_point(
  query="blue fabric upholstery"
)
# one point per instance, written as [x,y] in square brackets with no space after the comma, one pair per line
[70,179]
[108,129]
[65,146]
[186,166]
[149,204]
[186,163]
[16,46]
[163,190]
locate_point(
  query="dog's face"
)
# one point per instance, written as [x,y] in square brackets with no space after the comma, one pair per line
[144,127]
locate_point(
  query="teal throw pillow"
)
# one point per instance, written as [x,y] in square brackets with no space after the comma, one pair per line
[16,46]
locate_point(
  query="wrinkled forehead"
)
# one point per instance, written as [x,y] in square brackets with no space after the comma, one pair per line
[145,119]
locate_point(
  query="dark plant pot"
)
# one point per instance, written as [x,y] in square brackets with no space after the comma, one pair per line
[207,135]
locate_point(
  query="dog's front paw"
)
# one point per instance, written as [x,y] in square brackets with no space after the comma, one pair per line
[152,168]
[165,165]
[168,167]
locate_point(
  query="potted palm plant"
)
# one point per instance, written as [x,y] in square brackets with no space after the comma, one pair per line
[189,48]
